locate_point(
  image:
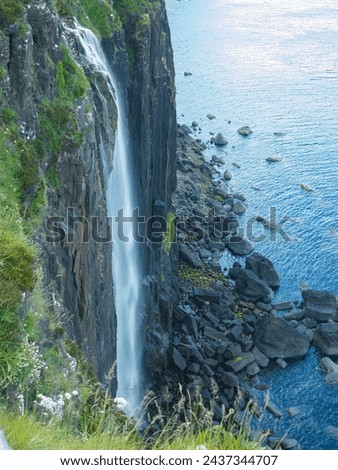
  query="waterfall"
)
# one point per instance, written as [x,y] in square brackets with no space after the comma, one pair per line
[120,195]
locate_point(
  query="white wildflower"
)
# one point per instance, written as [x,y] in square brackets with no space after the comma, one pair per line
[121,403]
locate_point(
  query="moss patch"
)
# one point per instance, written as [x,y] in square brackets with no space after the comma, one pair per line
[202,278]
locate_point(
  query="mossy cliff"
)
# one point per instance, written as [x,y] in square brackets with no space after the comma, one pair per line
[51,161]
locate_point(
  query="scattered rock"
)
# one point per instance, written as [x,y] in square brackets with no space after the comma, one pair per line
[264,269]
[310,323]
[211,116]
[274,159]
[240,196]
[217,159]
[184,130]
[249,287]
[293,411]
[279,134]
[245,131]
[253,369]
[277,339]
[297,315]
[280,307]
[273,410]
[331,370]
[227,175]
[189,257]
[194,124]
[261,359]
[326,338]
[220,140]
[179,360]
[306,187]
[240,362]
[207,295]
[319,305]
[285,443]
[240,246]
[238,207]
[281,363]
[187,74]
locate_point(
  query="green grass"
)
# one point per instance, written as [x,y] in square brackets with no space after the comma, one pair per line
[71,80]
[29,433]
[117,432]
[96,15]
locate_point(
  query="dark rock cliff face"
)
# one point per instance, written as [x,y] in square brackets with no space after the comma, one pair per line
[79,272]
[152,113]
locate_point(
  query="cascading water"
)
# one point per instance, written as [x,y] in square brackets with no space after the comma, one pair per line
[120,196]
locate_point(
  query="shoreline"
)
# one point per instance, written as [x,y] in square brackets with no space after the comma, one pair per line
[232,308]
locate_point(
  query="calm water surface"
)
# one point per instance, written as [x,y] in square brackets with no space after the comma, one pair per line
[273,65]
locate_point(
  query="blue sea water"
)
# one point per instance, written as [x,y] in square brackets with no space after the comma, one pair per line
[273,65]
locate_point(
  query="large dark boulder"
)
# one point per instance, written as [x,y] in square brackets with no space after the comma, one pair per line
[326,338]
[276,338]
[249,287]
[320,305]
[264,269]
[240,246]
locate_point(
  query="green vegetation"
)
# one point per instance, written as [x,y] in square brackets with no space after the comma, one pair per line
[170,234]
[58,125]
[139,8]
[2,72]
[11,11]
[96,15]
[191,425]
[202,278]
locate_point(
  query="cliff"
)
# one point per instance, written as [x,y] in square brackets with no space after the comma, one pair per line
[55,104]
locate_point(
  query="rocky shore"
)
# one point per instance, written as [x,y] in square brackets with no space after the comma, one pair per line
[226,326]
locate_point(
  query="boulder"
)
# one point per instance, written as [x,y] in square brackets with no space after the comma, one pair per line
[273,410]
[274,159]
[331,370]
[277,339]
[245,131]
[240,362]
[260,358]
[320,305]
[249,287]
[240,246]
[217,159]
[183,130]
[211,116]
[179,360]
[189,257]
[227,175]
[220,140]
[264,269]
[238,207]
[326,338]
[282,306]
[206,295]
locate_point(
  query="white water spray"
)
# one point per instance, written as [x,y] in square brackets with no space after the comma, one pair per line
[120,195]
